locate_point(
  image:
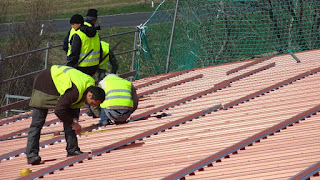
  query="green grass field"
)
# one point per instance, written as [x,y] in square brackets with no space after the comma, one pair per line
[17,10]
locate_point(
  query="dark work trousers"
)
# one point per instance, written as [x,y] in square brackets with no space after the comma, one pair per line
[38,120]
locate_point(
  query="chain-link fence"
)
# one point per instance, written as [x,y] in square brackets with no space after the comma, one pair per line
[184,34]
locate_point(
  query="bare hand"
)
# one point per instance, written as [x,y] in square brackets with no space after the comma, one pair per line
[77,127]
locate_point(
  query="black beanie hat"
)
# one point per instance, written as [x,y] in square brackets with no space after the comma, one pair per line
[76,19]
[92,13]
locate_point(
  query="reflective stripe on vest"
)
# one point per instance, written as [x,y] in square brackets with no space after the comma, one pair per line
[118,92]
[87,24]
[64,76]
[105,48]
[87,44]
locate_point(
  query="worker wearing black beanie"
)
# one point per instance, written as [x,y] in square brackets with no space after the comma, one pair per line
[76,19]
[92,14]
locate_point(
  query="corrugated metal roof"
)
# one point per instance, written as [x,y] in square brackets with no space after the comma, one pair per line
[248,120]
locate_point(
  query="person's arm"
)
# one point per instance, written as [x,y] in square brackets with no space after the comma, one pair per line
[89,31]
[113,62]
[66,42]
[64,111]
[135,98]
[73,58]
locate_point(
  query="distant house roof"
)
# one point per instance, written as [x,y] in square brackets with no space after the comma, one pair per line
[253,119]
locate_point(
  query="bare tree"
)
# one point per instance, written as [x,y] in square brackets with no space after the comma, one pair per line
[32,33]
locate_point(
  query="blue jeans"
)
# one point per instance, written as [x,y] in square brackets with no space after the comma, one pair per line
[110,116]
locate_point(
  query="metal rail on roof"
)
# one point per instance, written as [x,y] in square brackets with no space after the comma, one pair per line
[14,118]
[19,132]
[51,141]
[241,145]
[270,88]
[252,72]
[14,105]
[59,166]
[128,74]
[313,170]
[163,78]
[171,85]
[248,65]
[17,152]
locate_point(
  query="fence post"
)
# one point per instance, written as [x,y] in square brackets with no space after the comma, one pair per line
[47,56]
[7,102]
[134,53]
[172,31]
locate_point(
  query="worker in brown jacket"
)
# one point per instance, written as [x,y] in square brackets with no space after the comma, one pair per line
[64,89]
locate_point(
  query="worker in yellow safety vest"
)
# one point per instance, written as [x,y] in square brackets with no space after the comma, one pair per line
[107,58]
[83,47]
[64,89]
[120,102]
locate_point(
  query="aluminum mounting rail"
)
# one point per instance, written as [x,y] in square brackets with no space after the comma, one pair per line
[248,65]
[313,170]
[170,75]
[170,85]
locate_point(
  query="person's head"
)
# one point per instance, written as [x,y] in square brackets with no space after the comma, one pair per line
[95,96]
[76,21]
[92,16]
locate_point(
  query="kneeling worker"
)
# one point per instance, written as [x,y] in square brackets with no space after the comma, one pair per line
[66,90]
[120,102]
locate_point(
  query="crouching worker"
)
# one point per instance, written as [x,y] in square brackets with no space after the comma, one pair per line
[120,102]
[65,90]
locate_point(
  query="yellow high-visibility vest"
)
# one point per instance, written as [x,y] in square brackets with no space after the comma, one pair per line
[87,44]
[105,48]
[64,76]
[72,32]
[118,92]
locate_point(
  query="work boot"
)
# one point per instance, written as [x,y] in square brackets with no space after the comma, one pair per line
[74,153]
[34,160]
[105,123]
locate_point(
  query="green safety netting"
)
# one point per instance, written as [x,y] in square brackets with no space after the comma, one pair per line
[184,34]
